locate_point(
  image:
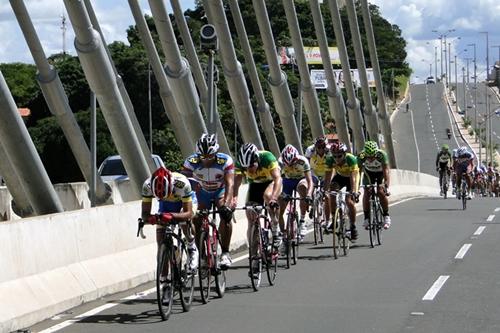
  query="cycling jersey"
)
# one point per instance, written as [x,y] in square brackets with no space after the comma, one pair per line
[319,164]
[443,157]
[463,163]
[297,170]
[375,165]
[266,164]
[210,178]
[349,165]
[181,193]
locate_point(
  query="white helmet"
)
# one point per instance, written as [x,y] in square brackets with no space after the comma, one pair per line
[207,145]
[462,150]
[248,155]
[289,154]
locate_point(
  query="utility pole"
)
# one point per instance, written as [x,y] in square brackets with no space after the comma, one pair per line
[475,91]
[465,99]
[63,28]
[435,62]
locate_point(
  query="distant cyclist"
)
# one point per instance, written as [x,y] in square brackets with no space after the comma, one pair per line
[321,162]
[443,161]
[463,168]
[214,172]
[454,156]
[177,202]
[346,175]
[296,174]
[375,166]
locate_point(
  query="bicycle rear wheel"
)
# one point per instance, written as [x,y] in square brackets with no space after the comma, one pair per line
[295,239]
[336,233]
[372,226]
[344,241]
[185,278]
[464,195]
[289,240]
[206,262]
[164,285]
[255,258]
[379,224]
[219,274]
[271,262]
[317,217]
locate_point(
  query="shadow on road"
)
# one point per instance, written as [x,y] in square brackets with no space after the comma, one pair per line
[443,209]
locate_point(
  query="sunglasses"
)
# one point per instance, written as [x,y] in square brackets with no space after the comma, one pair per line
[338,155]
[207,157]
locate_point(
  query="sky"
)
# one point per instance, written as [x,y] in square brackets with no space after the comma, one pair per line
[416,18]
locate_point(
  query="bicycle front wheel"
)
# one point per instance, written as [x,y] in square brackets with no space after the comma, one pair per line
[204,268]
[271,261]
[336,234]
[185,278]
[255,258]
[344,241]
[219,274]
[379,223]
[164,282]
[372,226]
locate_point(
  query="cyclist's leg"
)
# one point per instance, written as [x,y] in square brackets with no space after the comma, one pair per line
[334,186]
[273,212]
[225,226]
[288,187]
[366,199]
[326,208]
[302,191]
[255,196]
[440,177]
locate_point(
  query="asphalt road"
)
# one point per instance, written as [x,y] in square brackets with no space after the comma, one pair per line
[419,133]
[370,290]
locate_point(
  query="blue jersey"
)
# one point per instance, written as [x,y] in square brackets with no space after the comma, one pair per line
[210,178]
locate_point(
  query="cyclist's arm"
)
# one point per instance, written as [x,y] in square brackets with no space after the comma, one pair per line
[238,178]
[437,160]
[229,184]
[355,180]
[387,175]
[146,208]
[277,183]
[327,179]
[309,183]
[186,213]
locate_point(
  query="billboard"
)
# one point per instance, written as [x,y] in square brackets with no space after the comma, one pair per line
[286,55]
[319,81]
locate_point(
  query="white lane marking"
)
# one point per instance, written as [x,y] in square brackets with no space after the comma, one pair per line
[497,209]
[416,143]
[479,230]
[463,250]
[490,218]
[432,292]
[417,313]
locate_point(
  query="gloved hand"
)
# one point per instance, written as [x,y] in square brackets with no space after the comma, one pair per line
[386,190]
[226,213]
[166,217]
[152,219]
[273,204]
[308,200]
[355,196]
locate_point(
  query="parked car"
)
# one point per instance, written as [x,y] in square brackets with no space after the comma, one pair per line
[112,167]
[430,80]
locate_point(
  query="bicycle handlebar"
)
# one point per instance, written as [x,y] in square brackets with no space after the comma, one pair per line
[140,223]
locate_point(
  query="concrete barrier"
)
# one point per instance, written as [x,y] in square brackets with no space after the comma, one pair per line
[55,262]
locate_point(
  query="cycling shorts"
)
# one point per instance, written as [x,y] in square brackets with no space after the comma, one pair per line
[256,192]
[370,178]
[205,198]
[290,184]
[339,182]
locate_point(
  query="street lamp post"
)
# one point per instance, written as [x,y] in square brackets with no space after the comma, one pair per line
[465,99]
[475,89]
[435,63]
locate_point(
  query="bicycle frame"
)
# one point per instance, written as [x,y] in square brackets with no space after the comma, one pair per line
[375,225]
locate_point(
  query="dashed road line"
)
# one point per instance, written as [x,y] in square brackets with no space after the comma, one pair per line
[436,287]
[490,218]
[463,250]
[479,230]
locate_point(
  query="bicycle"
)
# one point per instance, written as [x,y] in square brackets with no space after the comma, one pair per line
[316,213]
[172,269]
[444,182]
[341,235]
[464,188]
[292,237]
[261,240]
[376,220]
[209,270]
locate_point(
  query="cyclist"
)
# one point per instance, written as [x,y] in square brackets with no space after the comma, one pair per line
[463,167]
[177,202]
[296,174]
[375,166]
[321,161]
[443,160]
[491,179]
[262,172]
[346,175]
[454,156]
[214,172]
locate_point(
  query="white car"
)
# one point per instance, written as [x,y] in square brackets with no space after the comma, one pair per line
[430,80]
[112,167]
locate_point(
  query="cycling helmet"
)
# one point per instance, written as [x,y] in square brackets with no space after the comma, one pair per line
[445,147]
[338,147]
[461,151]
[371,148]
[207,145]
[248,154]
[320,142]
[289,154]
[161,183]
